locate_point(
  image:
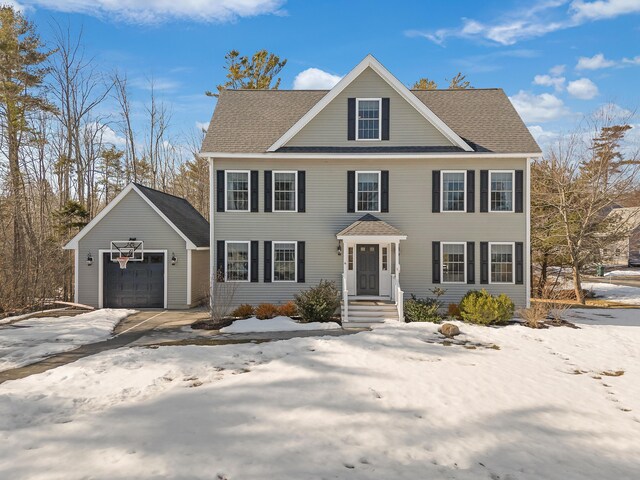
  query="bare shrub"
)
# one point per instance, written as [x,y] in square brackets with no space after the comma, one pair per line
[535,315]
[222,296]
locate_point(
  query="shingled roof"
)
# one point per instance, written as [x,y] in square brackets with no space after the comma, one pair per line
[250,121]
[370,225]
[181,213]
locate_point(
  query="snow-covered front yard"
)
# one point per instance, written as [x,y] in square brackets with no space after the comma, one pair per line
[29,341]
[392,403]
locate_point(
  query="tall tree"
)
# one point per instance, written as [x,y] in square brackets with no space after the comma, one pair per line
[258,72]
[22,95]
[425,84]
[459,82]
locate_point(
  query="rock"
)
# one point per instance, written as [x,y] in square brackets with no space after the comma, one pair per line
[449,330]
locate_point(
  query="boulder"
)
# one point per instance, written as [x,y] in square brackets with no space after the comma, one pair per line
[449,330]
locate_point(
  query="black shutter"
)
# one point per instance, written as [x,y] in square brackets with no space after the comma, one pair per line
[484,262]
[519,263]
[254,260]
[519,200]
[484,190]
[220,190]
[351,119]
[385,119]
[221,264]
[435,191]
[302,191]
[471,262]
[351,191]
[301,249]
[471,191]
[267,262]
[384,203]
[267,190]
[254,190]
[435,262]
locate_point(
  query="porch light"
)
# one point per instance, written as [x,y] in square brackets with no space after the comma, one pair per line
[339,248]
[174,260]
[89,259]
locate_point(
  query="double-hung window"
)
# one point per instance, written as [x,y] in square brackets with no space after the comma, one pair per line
[454,185]
[368,191]
[237,255]
[369,111]
[501,196]
[501,266]
[285,185]
[237,190]
[453,262]
[284,262]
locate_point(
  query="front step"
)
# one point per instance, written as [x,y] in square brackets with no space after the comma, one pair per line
[364,313]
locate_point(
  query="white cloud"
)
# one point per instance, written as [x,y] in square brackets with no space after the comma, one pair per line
[158,11]
[202,125]
[632,61]
[549,81]
[538,108]
[111,137]
[582,88]
[533,21]
[557,70]
[594,63]
[315,79]
[542,136]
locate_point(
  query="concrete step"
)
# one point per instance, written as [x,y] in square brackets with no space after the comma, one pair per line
[378,308]
[373,314]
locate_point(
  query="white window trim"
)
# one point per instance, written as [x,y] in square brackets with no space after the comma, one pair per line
[273,191]
[273,261]
[513,263]
[442,244]
[442,174]
[379,100]
[226,259]
[226,175]
[379,173]
[513,191]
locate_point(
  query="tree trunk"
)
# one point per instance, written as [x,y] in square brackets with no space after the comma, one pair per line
[577,283]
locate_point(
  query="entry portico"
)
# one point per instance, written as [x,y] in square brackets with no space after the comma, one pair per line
[371,263]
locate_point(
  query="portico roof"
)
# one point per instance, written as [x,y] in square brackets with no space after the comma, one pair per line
[370,226]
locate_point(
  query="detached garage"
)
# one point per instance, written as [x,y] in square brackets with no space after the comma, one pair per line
[146,249]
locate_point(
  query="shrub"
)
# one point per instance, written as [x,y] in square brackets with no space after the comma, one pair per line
[243,311]
[485,309]
[267,310]
[288,309]
[535,315]
[319,303]
[453,311]
[422,310]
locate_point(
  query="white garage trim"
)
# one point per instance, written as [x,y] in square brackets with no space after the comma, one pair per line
[189,277]
[76,276]
[101,253]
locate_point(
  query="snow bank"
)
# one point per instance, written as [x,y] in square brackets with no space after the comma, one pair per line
[277,324]
[623,273]
[615,293]
[392,403]
[32,340]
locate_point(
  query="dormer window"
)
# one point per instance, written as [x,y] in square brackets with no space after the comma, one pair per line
[369,110]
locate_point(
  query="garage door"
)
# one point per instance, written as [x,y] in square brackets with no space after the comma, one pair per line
[140,285]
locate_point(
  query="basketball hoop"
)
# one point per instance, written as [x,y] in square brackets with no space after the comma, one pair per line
[123,262]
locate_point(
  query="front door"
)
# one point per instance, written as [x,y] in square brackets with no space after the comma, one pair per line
[368,271]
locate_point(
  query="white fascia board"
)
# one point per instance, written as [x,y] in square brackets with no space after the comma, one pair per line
[371,238]
[370,62]
[347,156]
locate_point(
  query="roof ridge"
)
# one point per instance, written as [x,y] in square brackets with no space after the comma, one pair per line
[162,192]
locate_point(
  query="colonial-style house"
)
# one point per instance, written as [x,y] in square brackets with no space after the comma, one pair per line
[384,190]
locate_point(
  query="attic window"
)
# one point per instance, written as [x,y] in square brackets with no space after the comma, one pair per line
[368,118]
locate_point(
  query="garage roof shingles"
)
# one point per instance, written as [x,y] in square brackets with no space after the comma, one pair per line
[250,121]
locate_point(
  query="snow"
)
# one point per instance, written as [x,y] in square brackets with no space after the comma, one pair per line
[623,273]
[29,341]
[392,403]
[615,293]
[277,324]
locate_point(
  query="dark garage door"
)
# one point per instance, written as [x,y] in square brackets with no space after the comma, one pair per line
[140,285]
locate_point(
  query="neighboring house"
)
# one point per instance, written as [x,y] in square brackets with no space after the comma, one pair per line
[170,264]
[627,251]
[386,191]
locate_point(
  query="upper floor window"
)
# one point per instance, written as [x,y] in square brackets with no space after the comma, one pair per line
[501,199]
[453,191]
[237,268]
[237,188]
[368,110]
[368,192]
[453,262]
[284,261]
[501,265]
[284,191]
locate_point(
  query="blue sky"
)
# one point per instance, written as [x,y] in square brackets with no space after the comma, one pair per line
[556,59]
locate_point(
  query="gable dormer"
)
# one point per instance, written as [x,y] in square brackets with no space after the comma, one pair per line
[370,108]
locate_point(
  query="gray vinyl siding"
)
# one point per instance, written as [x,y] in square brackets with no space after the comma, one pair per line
[406,126]
[409,211]
[199,276]
[133,218]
